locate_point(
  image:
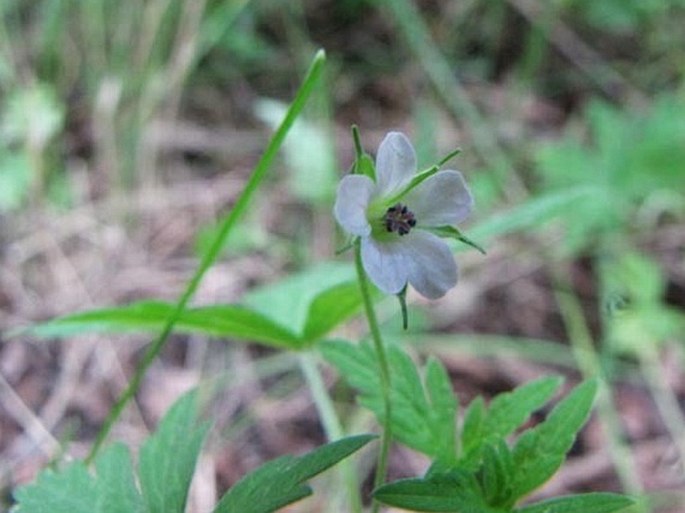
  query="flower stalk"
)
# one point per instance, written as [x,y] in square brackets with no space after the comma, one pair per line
[392,212]
[382,465]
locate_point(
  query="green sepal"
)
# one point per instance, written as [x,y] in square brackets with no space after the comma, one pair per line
[364,166]
[418,178]
[402,297]
[349,244]
[422,176]
[363,163]
[453,233]
[449,157]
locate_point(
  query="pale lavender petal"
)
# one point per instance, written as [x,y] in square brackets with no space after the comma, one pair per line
[385,264]
[354,194]
[443,199]
[395,163]
[429,263]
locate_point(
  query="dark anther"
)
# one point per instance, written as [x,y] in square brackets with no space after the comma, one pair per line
[399,219]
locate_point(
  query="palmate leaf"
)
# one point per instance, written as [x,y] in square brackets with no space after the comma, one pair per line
[167,462]
[423,414]
[506,413]
[457,491]
[496,474]
[283,481]
[502,475]
[70,490]
[167,458]
[116,484]
[540,451]
[443,410]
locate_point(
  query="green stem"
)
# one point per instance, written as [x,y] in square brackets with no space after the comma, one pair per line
[382,467]
[331,425]
[359,150]
[225,229]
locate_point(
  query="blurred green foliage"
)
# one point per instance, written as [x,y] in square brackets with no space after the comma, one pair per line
[112,71]
[639,320]
[30,118]
[633,162]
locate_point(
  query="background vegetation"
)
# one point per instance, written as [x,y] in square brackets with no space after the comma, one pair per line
[128,129]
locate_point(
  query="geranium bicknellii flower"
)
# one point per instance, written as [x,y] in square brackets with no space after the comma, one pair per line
[395,217]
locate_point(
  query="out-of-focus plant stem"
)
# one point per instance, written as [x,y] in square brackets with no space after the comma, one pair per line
[331,425]
[590,367]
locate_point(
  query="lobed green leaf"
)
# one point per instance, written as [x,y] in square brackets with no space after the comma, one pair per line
[472,428]
[456,491]
[506,413]
[496,474]
[423,414]
[168,457]
[116,482]
[71,490]
[444,409]
[167,462]
[283,481]
[540,451]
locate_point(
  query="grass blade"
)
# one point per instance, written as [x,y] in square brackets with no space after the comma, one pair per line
[227,225]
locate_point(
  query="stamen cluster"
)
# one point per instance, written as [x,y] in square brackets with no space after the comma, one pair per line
[399,219]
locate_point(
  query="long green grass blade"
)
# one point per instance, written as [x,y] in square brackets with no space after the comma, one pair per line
[241,205]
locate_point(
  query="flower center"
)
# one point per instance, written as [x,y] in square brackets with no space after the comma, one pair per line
[399,219]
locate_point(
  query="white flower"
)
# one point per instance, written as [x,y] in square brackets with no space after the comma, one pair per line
[394,220]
